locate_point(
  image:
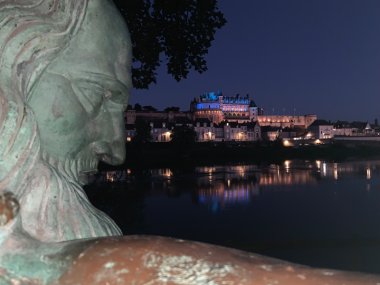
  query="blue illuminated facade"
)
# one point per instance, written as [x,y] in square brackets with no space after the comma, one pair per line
[216,107]
[209,101]
[208,106]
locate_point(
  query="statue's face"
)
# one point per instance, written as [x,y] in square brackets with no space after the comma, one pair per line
[80,98]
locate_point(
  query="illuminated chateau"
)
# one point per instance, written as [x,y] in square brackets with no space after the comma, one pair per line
[217,108]
[216,117]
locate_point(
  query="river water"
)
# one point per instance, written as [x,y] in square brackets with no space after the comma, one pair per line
[310,212]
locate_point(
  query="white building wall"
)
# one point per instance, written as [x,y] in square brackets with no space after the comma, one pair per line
[286,121]
[322,131]
[343,132]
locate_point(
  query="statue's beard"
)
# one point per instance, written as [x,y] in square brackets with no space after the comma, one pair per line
[78,170]
[54,206]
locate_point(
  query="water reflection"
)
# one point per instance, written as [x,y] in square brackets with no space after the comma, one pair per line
[288,178]
[368,171]
[162,172]
[303,211]
[228,191]
[337,170]
[222,186]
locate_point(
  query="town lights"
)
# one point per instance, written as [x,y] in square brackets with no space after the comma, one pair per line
[110,176]
[167,136]
[287,143]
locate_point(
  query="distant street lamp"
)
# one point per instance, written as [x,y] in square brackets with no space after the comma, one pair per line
[287,143]
[167,135]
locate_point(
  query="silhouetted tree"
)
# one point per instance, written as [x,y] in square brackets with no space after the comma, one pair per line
[143,134]
[171,109]
[183,135]
[149,108]
[182,30]
[138,107]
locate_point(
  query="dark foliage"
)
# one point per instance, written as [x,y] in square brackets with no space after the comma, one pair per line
[138,107]
[183,135]
[149,108]
[182,30]
[143,134]
[172,109]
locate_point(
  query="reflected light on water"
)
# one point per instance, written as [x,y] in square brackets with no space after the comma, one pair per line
[318,163]
[166,172]
[210,172]
[335,171]
[237,196]
[300,200]
[288,178]
[237,176]
[207,169]
[218,196]
[324,169]
[287,165]
[219,186]
[368,172]
[241,170]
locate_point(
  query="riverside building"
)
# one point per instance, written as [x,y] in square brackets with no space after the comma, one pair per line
[217,108]
[216,117]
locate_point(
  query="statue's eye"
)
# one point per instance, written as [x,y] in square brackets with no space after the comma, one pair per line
[90,94]
[118,96]
[95,89]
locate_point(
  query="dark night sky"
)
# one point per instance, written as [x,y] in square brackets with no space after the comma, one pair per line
[291,56]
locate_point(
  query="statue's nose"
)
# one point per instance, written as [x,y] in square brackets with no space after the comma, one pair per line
[110,146]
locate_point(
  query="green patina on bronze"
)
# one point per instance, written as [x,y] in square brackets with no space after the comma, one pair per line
[64,82]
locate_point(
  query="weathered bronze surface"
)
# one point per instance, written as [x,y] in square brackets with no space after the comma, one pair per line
[64,83]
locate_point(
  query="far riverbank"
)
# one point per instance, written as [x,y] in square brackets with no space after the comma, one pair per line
[152,155]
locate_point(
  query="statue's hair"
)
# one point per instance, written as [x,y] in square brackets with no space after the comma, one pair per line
[32,34]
